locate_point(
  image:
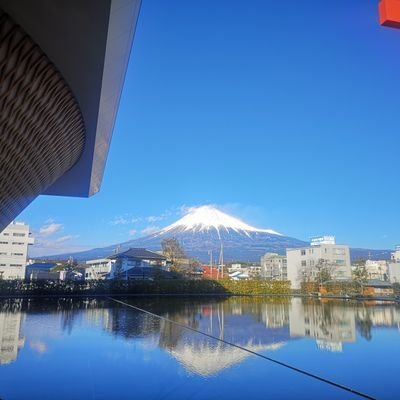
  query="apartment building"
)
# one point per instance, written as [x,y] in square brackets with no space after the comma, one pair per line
[14,242]
[394,266]
[273,266]
[305,263]
[377,269]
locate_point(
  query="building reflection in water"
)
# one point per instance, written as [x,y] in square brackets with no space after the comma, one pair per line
[330,325]
[10,333]
[258,324]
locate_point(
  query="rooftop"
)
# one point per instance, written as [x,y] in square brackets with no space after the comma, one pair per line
[140,254]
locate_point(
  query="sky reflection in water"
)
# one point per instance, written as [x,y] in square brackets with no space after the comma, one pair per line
[97,349]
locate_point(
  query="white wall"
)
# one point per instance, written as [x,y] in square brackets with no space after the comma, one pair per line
[394,272]
[14,242]
[305,259]
[97,269]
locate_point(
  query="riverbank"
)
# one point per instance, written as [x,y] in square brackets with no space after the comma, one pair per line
[206,288]
[156,287]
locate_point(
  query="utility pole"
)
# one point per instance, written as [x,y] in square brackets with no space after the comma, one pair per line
[221,261]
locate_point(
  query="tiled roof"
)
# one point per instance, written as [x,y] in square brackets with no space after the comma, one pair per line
[377,283]
[41,265]
[140,254]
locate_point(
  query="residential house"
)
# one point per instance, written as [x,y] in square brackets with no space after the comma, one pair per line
[375,287]
[136,263]
[240,275]
[42,271]
[98,269]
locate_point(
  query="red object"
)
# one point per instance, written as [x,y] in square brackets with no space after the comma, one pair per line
[212,273]
[389,13]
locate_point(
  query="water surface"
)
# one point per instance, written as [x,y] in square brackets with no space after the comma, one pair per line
[99,349]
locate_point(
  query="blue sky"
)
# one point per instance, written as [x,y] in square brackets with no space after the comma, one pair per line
[284,113]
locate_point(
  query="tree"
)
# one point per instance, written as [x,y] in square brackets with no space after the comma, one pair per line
[173,251]
[325,270]
[360,262]
[360,275]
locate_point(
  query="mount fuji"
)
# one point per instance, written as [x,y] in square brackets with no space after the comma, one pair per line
[202,230]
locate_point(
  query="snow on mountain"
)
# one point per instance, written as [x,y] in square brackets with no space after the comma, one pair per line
[202,231]
[204,218]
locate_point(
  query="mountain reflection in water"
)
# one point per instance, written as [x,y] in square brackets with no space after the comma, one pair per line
[258,324]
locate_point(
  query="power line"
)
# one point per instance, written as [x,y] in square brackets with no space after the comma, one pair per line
[299,370]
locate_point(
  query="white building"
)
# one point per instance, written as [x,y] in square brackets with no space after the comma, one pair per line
[10,337]
[328,326]
[377,269]
[98,269]
[239,275]
[394,266]
[14,242]
[273,266]
[396,255]
[235,267]
[305,263]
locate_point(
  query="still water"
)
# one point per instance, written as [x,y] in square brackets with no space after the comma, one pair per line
[100,349]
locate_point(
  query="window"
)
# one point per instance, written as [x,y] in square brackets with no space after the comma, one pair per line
[3,253]
[15,265]
[339,252]
[18,243]
[6,234]
[303,252]
[304,263]
[17,254]
[19,234]
[3,242]
[2,265]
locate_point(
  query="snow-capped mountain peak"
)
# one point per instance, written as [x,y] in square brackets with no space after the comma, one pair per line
[204,218]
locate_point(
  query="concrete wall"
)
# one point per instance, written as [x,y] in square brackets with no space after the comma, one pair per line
[394,272]
[14,241]
[302,262]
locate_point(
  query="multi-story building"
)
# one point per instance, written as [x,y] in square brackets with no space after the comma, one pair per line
[394,266]
[14,242]
[377,269]
[98,269]
[396,254]
[328,326]
[305,263]
[10,337]
[273,266]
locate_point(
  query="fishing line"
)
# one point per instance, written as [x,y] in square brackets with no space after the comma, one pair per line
[285,365]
